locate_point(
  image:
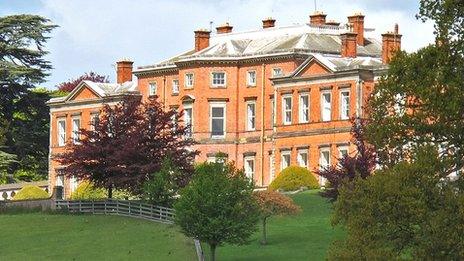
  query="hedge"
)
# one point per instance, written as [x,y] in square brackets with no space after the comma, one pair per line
[293,178]
[30,192]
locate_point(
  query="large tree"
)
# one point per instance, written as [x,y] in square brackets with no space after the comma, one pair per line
[127,144]
[69,85]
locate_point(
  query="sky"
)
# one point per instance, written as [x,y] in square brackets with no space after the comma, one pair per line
[94,34]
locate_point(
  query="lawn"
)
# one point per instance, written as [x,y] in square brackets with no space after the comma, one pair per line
[306,236]
[38,236]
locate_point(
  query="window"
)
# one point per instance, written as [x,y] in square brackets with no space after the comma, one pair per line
[249,166]
[287,110]
[326,106]
[276,72]
[152,88]
[73,183]
[217,159]
[344,105]
[251,116]
[303,158]
[272,112]
[343,151]
[76,125]
[189,80]
[304,108]
[174,118]
[284,159]
[324,163]
[60,183]
[271,167]
[218,79]
[218,120]
[251,78]
[61,132]
[188,119]
[94,120]
[175,86]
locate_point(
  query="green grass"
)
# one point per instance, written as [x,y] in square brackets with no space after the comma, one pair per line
[39,236]
[306,236]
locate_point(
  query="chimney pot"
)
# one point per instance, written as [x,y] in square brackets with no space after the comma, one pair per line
[268,22]
[201,39]
[224,29]
[124,70]
[349,46]
[318,18]
[357,20]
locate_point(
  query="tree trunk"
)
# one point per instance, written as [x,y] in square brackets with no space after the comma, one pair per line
[213,252]
[110,191]
[264,239]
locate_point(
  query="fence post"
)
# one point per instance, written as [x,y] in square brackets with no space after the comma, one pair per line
[93,207]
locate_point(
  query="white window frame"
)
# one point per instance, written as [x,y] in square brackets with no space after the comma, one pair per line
[249,169]
[94,119]
[175,86]
[285,110]
[187,118]
[301,161]
[277,72]
[189,80]
[73,183]
[273,121]
[284,154]
[343,148]
[324,165]
[323,108]
[218,84]
[301,115]
[344,105]
[251,81]
[61,131]
[250,119]
[75,129]
[271,167]
[218,105]
[152,88]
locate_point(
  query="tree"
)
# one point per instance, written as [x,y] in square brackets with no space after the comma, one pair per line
[160,189]
[405,212]
[69,85]
[273,203]
[217,206]
[128,143]
[362,164]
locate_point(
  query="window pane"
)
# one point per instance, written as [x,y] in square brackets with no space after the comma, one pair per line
[217,112]
[217,127]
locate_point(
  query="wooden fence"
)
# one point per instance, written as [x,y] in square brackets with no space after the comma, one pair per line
[127,208]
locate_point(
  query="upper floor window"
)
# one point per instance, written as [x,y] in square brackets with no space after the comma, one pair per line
[342,151]
[76,125]
[249,166]
[326,106]
[218,79]
[188,119]
[218,119]
[251,116]
[152,88]
[251,78]
[272,112]
[61,132]
[285,159]
[287,109]
[344,105]
[304,108]
[189,80]
[94,121]
[175,86]
[276,72]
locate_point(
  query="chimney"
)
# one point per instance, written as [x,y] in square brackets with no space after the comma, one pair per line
[201,39]
[391,42]
[332,23]
[349,44]
[318,18]
[224,29]
[124,71]
[357,20]
[268,22]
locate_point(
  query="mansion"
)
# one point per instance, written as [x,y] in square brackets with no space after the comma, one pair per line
[267,98]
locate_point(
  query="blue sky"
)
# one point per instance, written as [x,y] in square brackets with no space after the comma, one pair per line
[94,34]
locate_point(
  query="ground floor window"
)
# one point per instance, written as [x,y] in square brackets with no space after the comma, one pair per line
[284,159]
[324,162]
[249,166]
[303,158]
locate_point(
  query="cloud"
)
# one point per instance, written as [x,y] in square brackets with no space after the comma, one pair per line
[93,34]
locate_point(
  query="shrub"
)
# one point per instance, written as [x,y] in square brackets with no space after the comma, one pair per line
[160,189]
[87,190]
[293,178]
[30,192]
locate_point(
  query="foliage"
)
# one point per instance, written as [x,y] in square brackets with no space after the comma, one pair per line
[160,189]
[362,164]
[405,212]
[217,206]
[30,192]
[6,159]
[86,191]
[273,203]
[129,143]
[293,178]
[27,175]
[69,85]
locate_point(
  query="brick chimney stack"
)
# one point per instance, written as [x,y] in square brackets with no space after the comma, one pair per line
[201,39]
[391,42]
[268,22]
[349,44]
[357,20]
[224,29]
[124,70]
[318,18]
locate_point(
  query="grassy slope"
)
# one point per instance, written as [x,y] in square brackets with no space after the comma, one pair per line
[303,237]
[39,236]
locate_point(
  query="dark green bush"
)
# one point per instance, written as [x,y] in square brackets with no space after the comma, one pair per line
[293,178]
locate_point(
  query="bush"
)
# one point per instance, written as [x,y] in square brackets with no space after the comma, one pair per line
[161,189]
[30,192]
[293,178]
[87,191]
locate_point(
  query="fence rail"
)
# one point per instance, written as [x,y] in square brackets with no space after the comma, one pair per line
[119,207]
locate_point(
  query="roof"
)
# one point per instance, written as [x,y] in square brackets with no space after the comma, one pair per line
[20,185]
[307,39]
